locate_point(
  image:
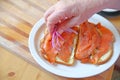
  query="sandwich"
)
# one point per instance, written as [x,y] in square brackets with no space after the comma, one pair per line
[89,43]
[94,43]
[58,48]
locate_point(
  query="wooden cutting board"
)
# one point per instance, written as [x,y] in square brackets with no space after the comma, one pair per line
[17,18]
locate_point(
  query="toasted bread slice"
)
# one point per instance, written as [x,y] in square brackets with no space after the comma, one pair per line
[58,59]
[105,57]
[109,39]
[71,58]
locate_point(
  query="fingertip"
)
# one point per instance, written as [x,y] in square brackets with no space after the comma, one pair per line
[50,27]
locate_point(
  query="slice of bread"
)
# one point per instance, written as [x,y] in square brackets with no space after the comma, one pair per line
[71,58]
[105,57]
[103,32]
[70,61]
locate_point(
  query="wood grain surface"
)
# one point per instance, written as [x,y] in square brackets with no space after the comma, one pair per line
[17,18]
[14,68]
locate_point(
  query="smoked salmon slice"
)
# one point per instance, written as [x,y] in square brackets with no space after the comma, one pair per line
[89,39]
[107,39]
[47,50]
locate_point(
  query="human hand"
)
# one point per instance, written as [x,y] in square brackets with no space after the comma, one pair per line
[68,13]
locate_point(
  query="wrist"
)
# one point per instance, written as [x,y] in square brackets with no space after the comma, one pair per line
[98,5]
[103,4]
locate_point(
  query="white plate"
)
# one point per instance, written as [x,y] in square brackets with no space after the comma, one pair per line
[79,70]
[110,10]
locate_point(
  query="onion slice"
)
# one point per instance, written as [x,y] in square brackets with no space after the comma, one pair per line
[71,30]
[55,40]
[56,37]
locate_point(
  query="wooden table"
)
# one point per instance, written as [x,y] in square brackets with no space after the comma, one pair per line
[17,18]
